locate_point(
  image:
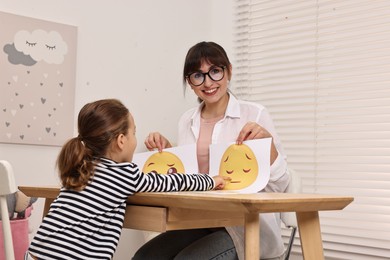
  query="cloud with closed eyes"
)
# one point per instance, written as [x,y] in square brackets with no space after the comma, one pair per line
[29,48]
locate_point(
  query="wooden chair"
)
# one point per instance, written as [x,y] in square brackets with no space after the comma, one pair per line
[289,218]
[7,186]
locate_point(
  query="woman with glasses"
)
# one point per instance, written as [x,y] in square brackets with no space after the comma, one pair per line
[220,117]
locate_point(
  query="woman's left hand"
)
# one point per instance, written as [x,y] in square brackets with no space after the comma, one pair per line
[250,131]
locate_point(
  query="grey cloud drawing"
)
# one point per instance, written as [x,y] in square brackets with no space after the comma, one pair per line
[16,57]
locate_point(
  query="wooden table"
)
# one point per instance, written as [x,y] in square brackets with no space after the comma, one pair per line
[184,210]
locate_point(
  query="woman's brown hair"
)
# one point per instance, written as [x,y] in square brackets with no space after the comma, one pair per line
[99,123]
[204,51]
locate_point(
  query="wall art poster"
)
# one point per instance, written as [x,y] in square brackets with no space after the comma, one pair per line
[37,80]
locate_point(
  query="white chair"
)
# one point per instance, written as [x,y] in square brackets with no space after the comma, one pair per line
[7,186]
[289,218]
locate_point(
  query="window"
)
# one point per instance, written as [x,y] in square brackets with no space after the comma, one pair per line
[322,68]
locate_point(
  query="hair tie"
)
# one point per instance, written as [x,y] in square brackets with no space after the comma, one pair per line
[81,139]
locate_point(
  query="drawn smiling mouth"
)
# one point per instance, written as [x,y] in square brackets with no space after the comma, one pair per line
[235,181]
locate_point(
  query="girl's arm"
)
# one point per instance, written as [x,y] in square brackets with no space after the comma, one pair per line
[154,182]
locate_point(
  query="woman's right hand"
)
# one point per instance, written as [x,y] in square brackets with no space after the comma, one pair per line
[156,140]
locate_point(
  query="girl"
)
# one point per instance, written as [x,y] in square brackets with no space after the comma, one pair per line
[85,220]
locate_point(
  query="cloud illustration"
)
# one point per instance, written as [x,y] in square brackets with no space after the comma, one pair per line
[16,57]
[41,45]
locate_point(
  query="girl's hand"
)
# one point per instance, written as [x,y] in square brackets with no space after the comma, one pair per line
[156,140]
[220,182]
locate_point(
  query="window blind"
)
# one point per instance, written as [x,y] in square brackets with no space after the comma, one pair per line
[322,68]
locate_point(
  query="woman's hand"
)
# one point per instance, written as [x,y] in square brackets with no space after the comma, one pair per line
[156,140]
[251,131]
[220,182]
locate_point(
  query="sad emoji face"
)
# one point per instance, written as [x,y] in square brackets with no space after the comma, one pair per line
[164,163]
[240,164]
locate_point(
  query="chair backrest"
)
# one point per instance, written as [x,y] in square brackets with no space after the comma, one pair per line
[7,180]
[295,186]
[7,186]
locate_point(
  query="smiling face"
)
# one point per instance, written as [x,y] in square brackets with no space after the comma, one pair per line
[211,91]
[163,163]
[240,164]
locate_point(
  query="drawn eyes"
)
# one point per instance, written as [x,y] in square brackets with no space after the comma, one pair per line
[50,47]
[244,170]
[32,44]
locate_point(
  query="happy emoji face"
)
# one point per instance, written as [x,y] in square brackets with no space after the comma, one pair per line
[164,163]
[240,164]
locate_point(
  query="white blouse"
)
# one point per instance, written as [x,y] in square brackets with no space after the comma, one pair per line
[238,113]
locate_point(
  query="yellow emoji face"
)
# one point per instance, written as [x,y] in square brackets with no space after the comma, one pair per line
[164,163]
[240,164]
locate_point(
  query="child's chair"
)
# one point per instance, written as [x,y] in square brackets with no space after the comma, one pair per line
[7,186]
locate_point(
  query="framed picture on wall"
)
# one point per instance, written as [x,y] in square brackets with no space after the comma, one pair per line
[37,80]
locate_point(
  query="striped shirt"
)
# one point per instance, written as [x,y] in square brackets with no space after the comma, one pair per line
[87,224]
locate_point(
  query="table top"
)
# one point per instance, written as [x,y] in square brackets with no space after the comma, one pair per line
[222,200]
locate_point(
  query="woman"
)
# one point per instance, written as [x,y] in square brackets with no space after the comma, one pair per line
[220,117]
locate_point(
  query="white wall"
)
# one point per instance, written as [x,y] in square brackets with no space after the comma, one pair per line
[127,49]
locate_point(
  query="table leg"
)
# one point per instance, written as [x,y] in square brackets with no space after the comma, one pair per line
[47,206]
[252,236]
[310,235]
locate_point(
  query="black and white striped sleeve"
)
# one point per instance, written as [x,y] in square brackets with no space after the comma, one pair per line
[153,182]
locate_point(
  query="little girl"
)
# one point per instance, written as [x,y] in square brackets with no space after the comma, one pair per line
[97,175]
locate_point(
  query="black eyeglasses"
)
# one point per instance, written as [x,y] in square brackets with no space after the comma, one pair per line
[216,73]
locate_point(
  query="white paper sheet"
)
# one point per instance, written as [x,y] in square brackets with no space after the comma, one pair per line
[248,165]
[180,159]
